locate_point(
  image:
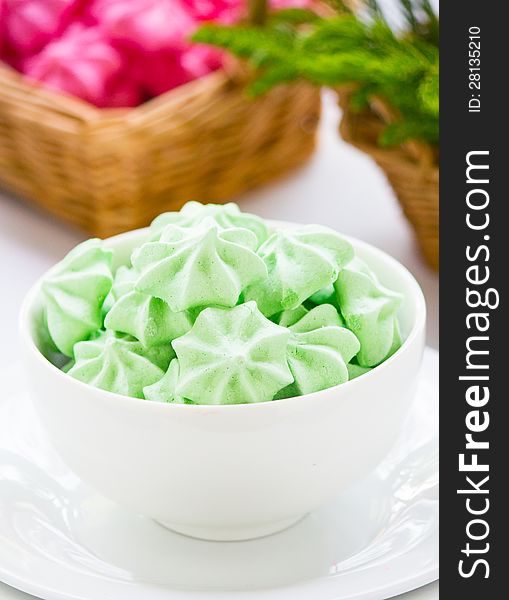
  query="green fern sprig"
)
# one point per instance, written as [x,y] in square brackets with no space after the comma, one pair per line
[400,67]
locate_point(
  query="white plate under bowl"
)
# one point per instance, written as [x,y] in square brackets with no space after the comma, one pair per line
[59,540]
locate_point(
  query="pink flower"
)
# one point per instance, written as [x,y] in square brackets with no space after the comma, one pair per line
[30,24]
[2,27]
[221,11]
[199,60]
[80,63]
[230,11]
[159,72]
[122,92]
[282,4]
[149,24]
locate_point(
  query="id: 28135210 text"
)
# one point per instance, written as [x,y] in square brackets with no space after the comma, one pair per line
[474,69]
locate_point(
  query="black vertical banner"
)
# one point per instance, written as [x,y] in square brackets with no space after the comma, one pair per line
[474,269]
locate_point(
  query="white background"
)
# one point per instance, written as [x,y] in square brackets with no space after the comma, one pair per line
[340,187]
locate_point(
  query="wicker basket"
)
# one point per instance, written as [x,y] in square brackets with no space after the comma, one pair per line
[411,169]
[112,170]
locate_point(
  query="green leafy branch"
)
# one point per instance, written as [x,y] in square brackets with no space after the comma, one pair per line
[350,47]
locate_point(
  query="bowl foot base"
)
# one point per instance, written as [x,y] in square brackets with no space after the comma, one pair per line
[234,534]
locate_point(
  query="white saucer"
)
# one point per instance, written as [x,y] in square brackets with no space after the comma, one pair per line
[59,540]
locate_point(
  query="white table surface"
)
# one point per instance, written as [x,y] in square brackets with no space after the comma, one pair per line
[340,187]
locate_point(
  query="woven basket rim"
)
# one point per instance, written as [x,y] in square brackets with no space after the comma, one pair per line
[14,86]
[415,151]
[411,168]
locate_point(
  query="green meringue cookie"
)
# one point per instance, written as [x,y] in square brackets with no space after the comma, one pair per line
[355,371]
[74,293]
[123,282]
[370,311]
[286,318]
[318,352]
[203,266]
[45,343]
[232,356]
[68,366]
[119,364]
[326,295]
[150,320]
[226,215]
[300,262]
[324,315]
[164,390]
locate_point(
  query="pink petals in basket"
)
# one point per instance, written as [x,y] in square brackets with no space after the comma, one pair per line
[30,24]
[82,63]
[113,53]
[148,24]
[220,11]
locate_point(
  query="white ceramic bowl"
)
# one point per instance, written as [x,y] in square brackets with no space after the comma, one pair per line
[237,471]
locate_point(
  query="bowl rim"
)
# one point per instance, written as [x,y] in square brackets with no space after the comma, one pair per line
[417,328]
